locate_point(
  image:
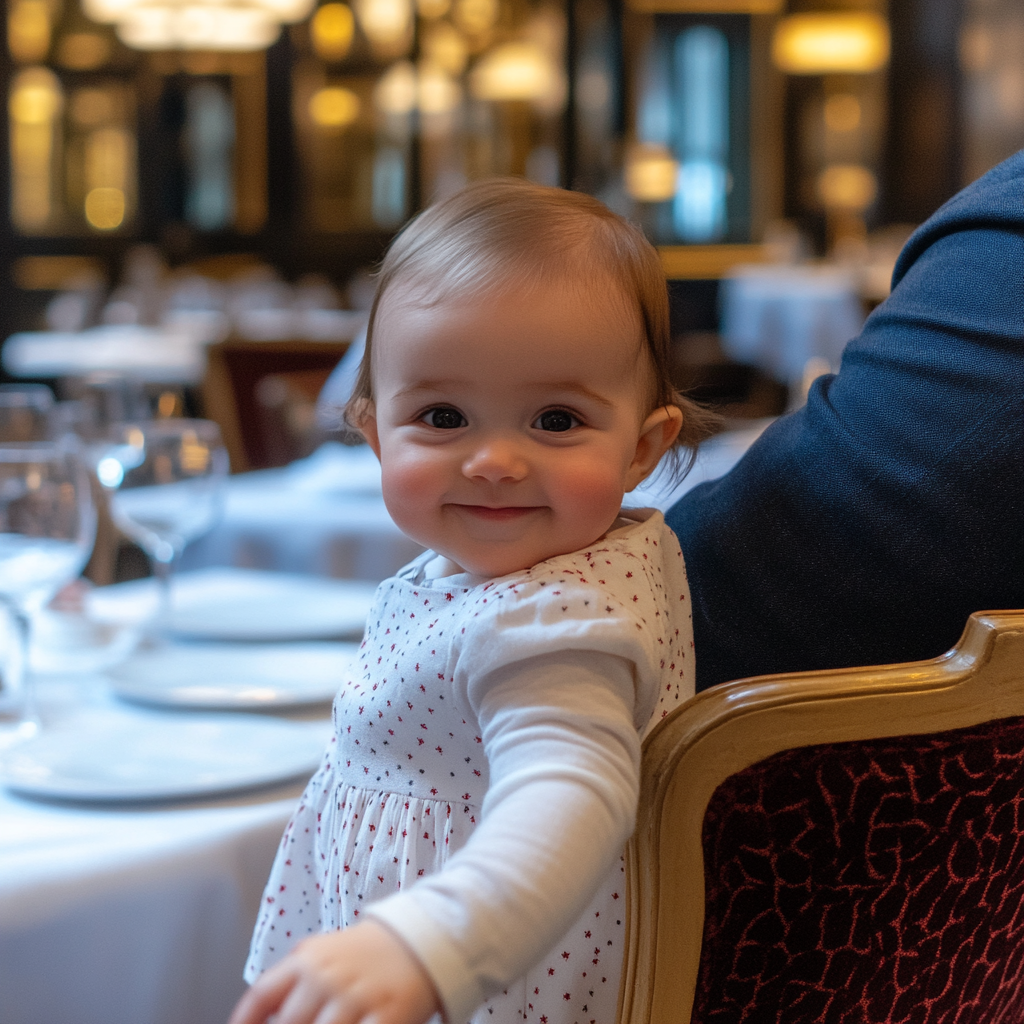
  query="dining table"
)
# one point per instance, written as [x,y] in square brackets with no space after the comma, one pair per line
[121,912]
[784,319]
[128,896]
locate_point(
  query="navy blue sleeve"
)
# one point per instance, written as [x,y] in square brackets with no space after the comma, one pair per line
[865,528]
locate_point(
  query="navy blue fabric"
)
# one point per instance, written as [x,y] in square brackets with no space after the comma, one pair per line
[865,528]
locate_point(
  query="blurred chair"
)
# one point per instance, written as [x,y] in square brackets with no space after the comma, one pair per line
[263,395]
[842,846]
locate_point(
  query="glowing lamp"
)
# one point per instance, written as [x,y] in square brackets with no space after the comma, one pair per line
[821,44]
[28,30]
[652,174]
[395,93]
[515,71]
[387,23]
[197,26]
[436,92]
[332,29]
[104,208]
[334,107]
[847,187]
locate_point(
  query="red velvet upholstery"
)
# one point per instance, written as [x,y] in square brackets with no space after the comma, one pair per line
[869,882]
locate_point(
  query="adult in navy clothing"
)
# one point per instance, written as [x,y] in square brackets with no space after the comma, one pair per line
[865,528]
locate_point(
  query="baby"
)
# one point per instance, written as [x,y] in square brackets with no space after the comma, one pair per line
[459,849]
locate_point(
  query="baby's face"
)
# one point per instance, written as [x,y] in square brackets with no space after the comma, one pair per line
[509,425]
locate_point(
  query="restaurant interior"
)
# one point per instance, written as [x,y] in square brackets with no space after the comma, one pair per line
[198,193]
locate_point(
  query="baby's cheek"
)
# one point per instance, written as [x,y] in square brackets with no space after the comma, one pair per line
[411,492]
[591,490]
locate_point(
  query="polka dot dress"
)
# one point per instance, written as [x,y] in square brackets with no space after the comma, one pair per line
[400,787]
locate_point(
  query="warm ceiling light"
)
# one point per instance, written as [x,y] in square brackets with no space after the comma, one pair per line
[28,30]
[436,91]
[847,187]
[334,107]
[652,174]
[104,208]
[515,71]
[197,26]
[387,23]
[395,93]
[35,97]
[820,44]
[444,46]
[332,29]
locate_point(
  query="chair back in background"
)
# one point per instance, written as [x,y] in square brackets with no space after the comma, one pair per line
[842,846]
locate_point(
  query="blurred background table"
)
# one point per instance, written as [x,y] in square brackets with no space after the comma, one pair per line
[783,318]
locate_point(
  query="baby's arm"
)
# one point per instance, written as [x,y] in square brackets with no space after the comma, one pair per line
[363,973]
[564,757]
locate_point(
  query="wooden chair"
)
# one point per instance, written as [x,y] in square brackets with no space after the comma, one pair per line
[842,847]
[263,396]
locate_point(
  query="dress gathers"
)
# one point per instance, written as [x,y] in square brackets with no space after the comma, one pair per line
[483,775]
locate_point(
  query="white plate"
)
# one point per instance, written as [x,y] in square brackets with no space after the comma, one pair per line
[242,604]
[233,676]
[113,757]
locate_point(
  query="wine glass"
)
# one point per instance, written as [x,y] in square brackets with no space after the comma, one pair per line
[165,479]
[47,527]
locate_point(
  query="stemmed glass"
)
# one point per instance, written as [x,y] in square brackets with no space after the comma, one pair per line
[165,479]
[47,528]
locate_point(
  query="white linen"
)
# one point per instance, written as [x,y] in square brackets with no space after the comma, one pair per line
[779,317]
[158,355]
[324,516]
[128,915]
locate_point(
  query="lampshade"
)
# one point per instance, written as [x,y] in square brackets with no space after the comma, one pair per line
[197,24]
[651,174]
[515,71]
[819,44]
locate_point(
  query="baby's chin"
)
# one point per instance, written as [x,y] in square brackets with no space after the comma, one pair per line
[494,563]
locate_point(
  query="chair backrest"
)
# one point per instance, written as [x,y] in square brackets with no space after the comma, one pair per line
[843,846]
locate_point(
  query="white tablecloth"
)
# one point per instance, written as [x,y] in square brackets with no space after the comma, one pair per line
[155,354]
[323,516]
[117,915]
[779,317]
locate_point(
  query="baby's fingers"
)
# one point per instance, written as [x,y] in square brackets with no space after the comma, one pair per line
[264,998]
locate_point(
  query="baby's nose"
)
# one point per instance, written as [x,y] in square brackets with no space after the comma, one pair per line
[496,459]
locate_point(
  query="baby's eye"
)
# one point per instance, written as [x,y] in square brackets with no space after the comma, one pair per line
[444,418]
[556,420]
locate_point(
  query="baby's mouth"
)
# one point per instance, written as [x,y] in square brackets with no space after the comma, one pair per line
[498,513]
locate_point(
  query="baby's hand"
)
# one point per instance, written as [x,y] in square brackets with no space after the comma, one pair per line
[362,974]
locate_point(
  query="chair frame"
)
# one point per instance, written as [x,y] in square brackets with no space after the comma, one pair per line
[732,726]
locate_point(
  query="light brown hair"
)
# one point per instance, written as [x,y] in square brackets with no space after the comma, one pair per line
[507,233]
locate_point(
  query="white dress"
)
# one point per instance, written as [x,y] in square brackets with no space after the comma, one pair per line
[483,776]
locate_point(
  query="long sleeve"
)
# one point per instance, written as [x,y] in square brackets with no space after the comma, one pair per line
[564,755]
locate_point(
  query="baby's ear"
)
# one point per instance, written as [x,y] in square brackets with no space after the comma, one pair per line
[657,434]
[363,416]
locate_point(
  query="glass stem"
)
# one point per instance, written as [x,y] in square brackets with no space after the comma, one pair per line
[162,570]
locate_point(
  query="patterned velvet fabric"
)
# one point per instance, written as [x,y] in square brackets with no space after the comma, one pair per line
[869,882]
